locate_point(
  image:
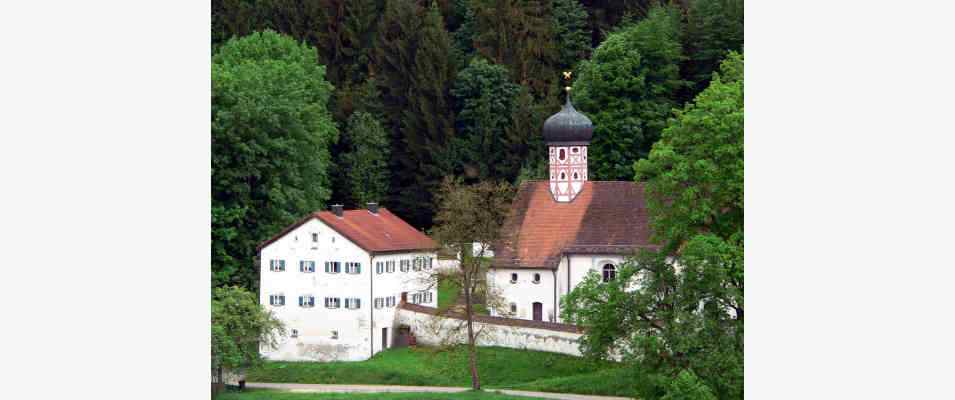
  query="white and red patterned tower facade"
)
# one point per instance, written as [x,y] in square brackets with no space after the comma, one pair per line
[567,134]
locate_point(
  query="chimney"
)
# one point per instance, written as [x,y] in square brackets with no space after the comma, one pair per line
[337,209]
[373,208]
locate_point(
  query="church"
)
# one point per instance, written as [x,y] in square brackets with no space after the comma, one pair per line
[559,230]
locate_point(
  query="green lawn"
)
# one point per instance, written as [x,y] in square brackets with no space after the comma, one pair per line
[498,368]
[253,394]
[607,382]
[448,293]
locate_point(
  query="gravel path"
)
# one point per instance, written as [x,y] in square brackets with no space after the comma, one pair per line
[320,388]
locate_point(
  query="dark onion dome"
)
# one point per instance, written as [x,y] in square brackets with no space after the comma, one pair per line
[568,126]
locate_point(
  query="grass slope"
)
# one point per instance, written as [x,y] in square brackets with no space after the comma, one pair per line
[279,395]
[608,382]
[498,367]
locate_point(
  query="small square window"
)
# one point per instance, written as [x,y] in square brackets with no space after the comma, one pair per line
[334,334]
[537,278]
[514,278]
[294,333]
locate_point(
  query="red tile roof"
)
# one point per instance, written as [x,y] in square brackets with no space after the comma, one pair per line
[375,233]
[607,217]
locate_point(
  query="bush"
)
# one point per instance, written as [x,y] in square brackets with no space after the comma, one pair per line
[687,386]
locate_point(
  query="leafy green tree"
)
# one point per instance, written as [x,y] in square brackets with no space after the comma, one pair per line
[271,133]
[686,312]
[695,172]
[240,327]
[628,89]
[571,33]
[485,99]
[713,29]
[366,162]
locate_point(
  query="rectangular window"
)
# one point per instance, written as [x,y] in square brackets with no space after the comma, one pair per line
[405,265]
[352,268]
[314,238]
[306,301]
[352,303]
[415,298]
[277,265]
[427,264]
[428,297]
[514,278]
[333,302]
[379,302]
[379,267]
[277,300]
[390,266]
[334,335]
[306,266]
[417,264]
[294,333]
[390,301]
[333,267]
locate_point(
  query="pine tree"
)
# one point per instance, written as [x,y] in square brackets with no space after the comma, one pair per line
[713,29]
[571,33]
[366,161]
[415,70]
[517,33]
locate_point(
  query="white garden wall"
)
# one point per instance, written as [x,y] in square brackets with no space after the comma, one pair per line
[430,329]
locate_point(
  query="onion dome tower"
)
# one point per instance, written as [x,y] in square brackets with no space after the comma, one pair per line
[567,135]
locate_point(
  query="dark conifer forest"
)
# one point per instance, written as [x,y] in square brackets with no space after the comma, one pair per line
[360,100]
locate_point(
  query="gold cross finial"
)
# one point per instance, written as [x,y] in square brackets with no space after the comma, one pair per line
[567,75]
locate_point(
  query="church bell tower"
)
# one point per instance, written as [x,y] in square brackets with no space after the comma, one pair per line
[567,135]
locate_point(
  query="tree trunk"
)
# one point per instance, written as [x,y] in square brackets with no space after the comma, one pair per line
[472,354]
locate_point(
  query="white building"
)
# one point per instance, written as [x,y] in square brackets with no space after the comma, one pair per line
[561,229]
[335,277]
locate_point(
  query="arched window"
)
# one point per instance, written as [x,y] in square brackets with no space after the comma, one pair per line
[576,177]
[563,176]
[609,272]
[561,154]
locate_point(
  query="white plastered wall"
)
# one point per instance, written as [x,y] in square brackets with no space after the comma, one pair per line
[524,292]
[357,337]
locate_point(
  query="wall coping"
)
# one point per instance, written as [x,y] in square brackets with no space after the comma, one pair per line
[525,323]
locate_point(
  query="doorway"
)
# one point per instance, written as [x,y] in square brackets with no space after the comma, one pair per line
[538,311]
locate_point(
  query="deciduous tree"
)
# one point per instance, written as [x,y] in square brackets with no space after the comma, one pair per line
[271,133]
[468,215]
[681,308]
[629,88]
[240,327]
